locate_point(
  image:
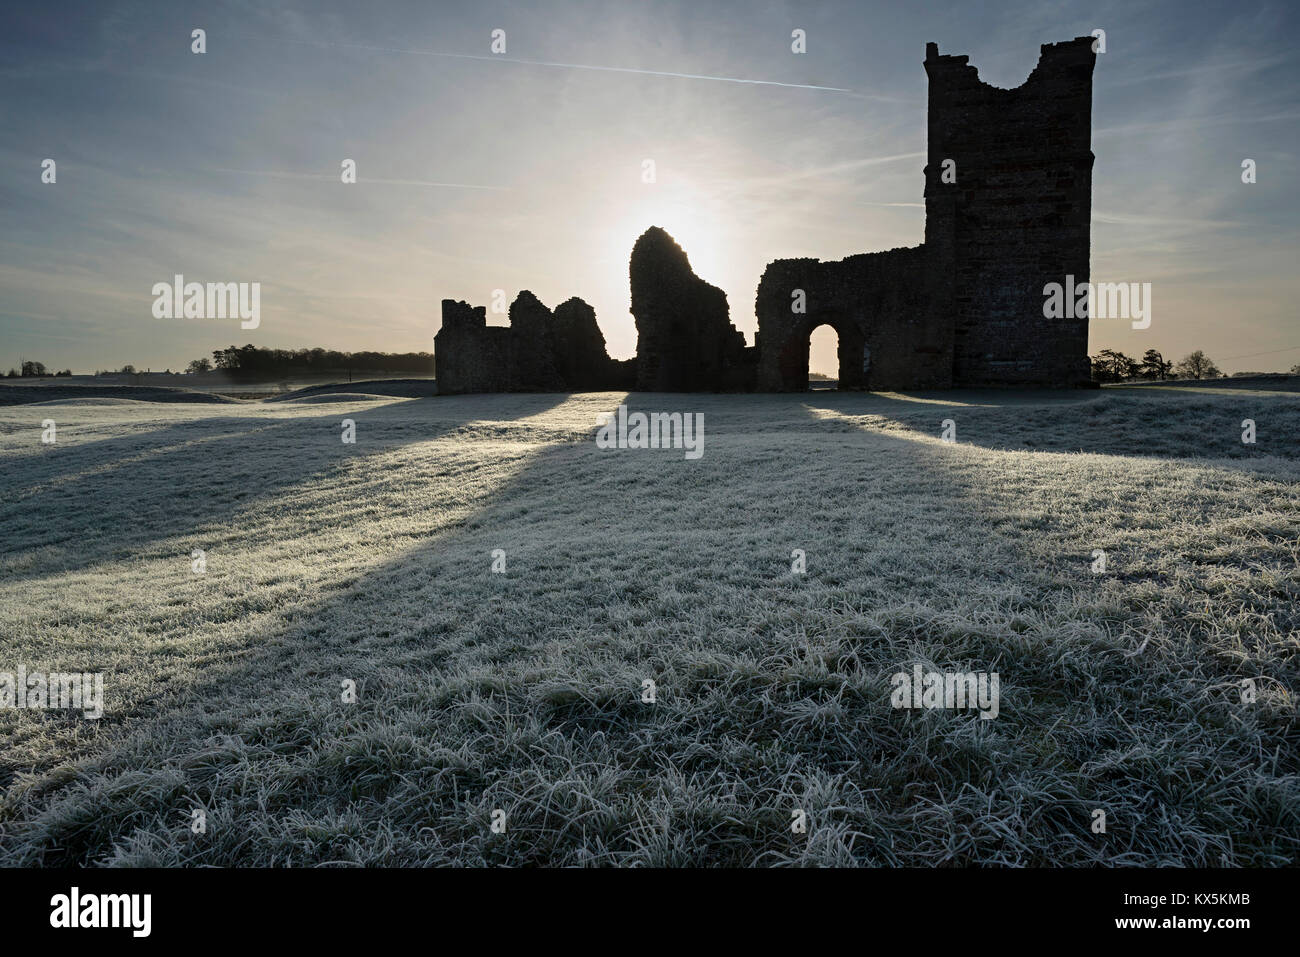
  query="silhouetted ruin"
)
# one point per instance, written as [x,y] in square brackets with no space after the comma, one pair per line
[887,309]
[685,341]
[1011,214]
[539,351]
[1008,202]
[579,348]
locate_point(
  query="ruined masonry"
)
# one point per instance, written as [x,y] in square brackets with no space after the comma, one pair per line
[684,340]
[540,351]
[966,307]
[1008,203]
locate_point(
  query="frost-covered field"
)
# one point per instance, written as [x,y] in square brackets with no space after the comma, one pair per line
[522,691]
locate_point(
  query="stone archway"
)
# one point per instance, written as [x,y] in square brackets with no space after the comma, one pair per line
[793,359]
[888,301]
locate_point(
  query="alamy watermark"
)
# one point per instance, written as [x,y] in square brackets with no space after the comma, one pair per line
[956,690]
[214,300]
[67,691]
[657,430]
[75,909]
[1098,300]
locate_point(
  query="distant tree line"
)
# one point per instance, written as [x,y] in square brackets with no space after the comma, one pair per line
[253,363]
[129,369]
[1111,366]
[31,368]
[250,362]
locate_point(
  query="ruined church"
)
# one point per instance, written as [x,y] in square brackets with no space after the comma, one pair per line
[1008,204]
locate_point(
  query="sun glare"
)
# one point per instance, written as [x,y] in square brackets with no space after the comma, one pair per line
[684,212]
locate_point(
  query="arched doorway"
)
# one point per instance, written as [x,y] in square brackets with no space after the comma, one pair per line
[823,357]
[850,358]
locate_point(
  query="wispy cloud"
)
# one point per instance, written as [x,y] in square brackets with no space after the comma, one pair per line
[502,58]
[1220,69]
[1193,123]
[360,179]
[1138,219]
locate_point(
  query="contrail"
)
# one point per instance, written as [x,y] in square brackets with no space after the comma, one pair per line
[567,66]
[360,179]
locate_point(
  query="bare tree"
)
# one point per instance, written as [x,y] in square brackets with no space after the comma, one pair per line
[1196,366]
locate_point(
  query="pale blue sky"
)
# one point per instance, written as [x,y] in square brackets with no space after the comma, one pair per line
[225,166]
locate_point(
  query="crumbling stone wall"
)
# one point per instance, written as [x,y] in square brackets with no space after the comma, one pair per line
[884,307]
[468,354]
[966,307]
[539,351]
[685,339]
[579,349]
[531,365]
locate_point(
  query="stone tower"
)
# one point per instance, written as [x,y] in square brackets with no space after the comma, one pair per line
[1017,215]
[1008,201]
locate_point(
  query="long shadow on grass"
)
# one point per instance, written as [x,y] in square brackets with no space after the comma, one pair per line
[1130,422]
[80,505]
[522,690]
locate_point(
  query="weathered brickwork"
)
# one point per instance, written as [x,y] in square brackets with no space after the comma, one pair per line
[966,307]
[885,311]
[468,354]
[1019,215]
